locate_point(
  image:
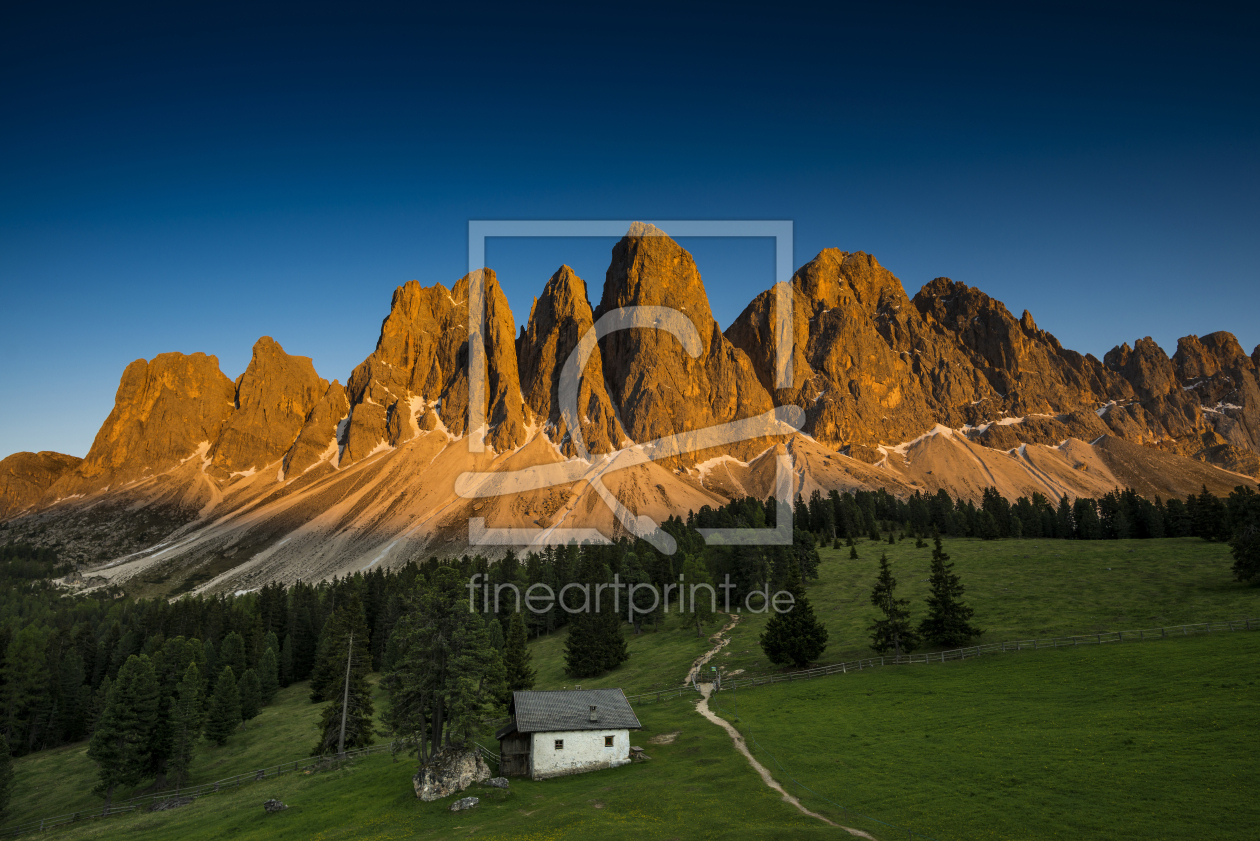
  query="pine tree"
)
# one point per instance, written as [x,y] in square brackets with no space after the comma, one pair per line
[853,555]
[947,623]
[186,721]
[120,745]
[894,632]
[286,661]
[701,604]
[796,636]
[6,775]
[251,694]
[595,643]
[232,654]
[330,658]
[517,658]
[496,632]
[268,676]
[355,696]
[224,713]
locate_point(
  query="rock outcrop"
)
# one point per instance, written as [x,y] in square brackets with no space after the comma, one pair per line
[559,318]
[658,386]
[273,398]
[450,771]
[417,378]
[26,477]
[165,411]
[318,439]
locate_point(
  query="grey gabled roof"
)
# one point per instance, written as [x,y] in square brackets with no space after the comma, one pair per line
[570,709]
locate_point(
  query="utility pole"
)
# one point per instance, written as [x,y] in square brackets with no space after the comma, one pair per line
[345,702]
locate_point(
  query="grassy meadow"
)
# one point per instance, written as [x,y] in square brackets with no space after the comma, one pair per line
[1143,741]
[1138,741]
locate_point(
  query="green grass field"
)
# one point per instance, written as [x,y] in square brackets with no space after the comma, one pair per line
[1153,740]
[697,787]
[1020,589]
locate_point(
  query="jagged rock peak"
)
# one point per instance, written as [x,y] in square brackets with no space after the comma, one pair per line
[274,395]
[1146,367]
[557,322]
[1205,357]
[26,477]
[164,410]
[660,388]
[317,442]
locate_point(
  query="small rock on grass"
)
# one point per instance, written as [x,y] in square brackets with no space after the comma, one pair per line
[274,806]
[496,782]
[465,803]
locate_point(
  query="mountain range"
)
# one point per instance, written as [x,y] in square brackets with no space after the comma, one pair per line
[199,483]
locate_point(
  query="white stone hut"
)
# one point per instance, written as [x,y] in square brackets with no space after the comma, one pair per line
[565,732]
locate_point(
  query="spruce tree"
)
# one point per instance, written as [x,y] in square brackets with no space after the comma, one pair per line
[853,555]
[186,717]
[6,775]
[894,632]
[947,623]
[495,629]
[268,676]
[517,657]
[120,745]
[696,574]
[355,697]
[232,654]
[1244,511]
[595,643]
[794,637]
[286,661]
[251,694]
[224,713]
[330,659]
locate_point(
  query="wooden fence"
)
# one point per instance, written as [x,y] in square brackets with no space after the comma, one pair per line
[1105,637]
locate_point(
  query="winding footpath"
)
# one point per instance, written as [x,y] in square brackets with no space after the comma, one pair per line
[706,689]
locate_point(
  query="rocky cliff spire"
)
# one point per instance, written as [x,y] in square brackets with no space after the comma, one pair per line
[558,319]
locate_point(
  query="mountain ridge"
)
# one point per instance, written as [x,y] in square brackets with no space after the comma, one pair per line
[285,474]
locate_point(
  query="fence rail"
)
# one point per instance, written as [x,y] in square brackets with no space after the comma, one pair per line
[149,800]
[1140,635]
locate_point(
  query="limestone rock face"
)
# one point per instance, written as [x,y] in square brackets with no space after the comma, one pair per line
[420,369]
[1032,371]
[1147,368]
[1201,358]
[164,410]
[866,367]
[318,438]
[26,477]
[273,398]
[660,389]
[450,771]
[557,321]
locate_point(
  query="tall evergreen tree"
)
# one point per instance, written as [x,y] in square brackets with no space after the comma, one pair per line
[948,621]
[353,729]
[796,636]
[330,663]
[251,694]
[894,632]
[186,717]
[268,676]
[517,658]
[447,677]
[224,713]
[232,654]
[1244,511]
[6,775]
[696,575]
[595,643]
[120,745]
[286,661]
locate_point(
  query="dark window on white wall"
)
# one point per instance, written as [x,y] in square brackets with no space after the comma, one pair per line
[608,741]
[559,744]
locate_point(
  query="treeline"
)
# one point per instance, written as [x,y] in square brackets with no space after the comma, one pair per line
[1117,515]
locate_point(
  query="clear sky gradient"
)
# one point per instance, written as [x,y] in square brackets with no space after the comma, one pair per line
[178,179]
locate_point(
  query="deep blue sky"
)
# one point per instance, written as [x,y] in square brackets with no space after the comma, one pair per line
[176,179]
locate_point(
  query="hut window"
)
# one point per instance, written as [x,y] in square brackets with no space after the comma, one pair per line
[608,741]
[559,744]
